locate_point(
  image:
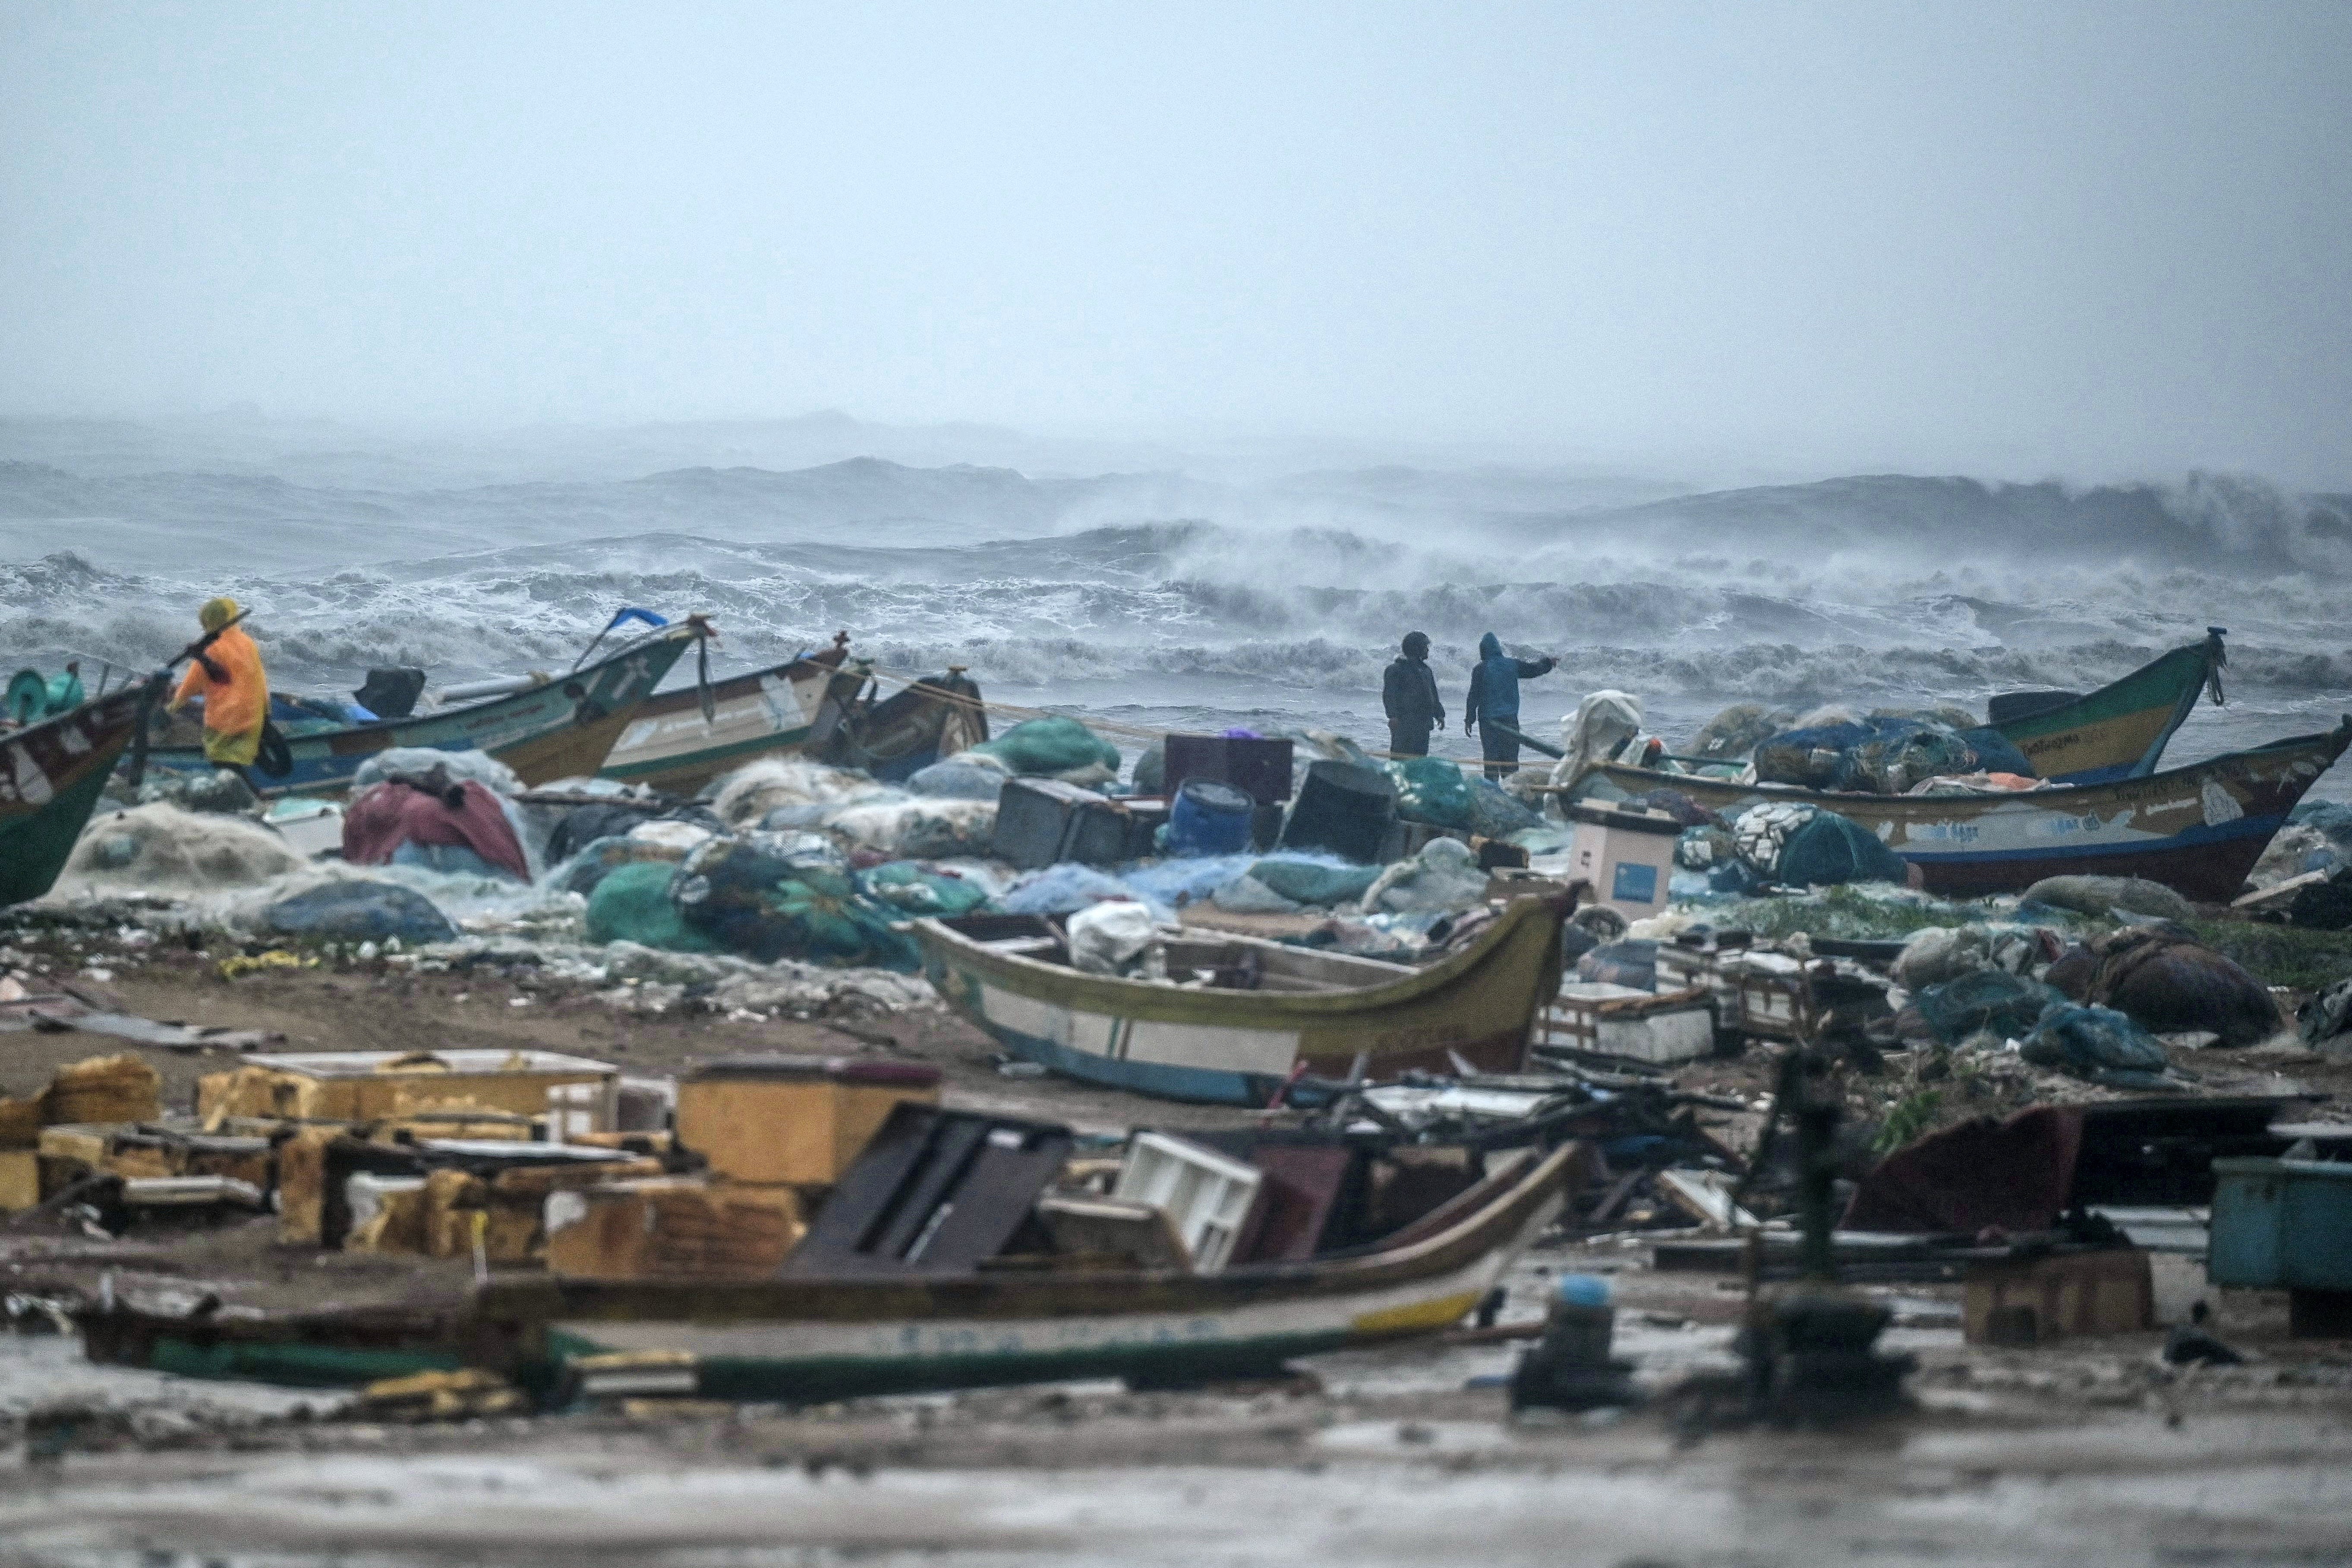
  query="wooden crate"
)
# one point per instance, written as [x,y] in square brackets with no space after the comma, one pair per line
[369,1085]
[2107,1292]
[793,1119]
[671,1226]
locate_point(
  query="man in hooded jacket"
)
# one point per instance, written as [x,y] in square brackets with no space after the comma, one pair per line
[1494,696]
[228,675]
[1408,693]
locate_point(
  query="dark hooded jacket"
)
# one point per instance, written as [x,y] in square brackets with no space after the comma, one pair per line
[1408,693]
[1495,683]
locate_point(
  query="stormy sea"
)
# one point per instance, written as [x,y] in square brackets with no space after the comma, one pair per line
[1161,588]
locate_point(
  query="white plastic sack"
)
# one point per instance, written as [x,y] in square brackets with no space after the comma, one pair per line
[1107,938]
[1603,722]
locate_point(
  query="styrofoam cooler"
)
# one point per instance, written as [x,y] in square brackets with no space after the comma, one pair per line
[1627,856]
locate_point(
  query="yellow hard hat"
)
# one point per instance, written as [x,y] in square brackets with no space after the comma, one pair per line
[217,614]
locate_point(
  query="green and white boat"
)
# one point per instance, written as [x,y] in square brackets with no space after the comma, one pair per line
[51,773]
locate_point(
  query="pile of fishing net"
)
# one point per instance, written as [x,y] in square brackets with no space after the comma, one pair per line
[163,848]
[762,895]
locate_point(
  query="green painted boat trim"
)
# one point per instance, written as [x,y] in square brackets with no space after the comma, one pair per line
[34,849]
[72,754]
[295,1365]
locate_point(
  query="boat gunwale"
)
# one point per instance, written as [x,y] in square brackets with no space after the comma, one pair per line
[81,712]
[1930,806]
[1111,995]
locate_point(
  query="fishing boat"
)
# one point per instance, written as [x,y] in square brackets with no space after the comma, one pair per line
[2120,731]
[562,727]
[50,777]
[1239,1016]
[809,1339]
[817,703]
[2198,830]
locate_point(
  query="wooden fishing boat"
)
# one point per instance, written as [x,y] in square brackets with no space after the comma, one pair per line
[809,1339]
[561,728]
[1265,1010]
[50,777]
[811,704]
[2198,830]
[2120,730]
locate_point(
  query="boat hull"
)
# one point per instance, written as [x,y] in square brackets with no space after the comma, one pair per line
[563,729]
[51,776]
[1238,1047]
[807,706]
[822,1340]
[669,744]
[2198,830]
[810,1340]
[2119,731]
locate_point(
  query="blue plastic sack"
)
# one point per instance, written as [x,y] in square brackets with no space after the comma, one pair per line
[1209,819]
[359,911]
[2098,1043]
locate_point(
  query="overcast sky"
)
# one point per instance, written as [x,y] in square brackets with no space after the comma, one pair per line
[2086,239]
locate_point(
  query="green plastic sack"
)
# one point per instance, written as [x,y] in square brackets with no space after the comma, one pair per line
[1305,882]
[1994,1000]
[905,885]
[1052,746]
[632,903]
[1432,790]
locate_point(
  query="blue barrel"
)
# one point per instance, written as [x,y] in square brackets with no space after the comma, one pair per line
[1209,819]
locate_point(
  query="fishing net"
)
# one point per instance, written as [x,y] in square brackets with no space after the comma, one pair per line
[748,899]
[1990,999]
[631,903]
[160,846]
[917,891]
[1431,790]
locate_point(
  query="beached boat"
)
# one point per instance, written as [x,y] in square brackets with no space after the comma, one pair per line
[2198,830]
[812,703]
[559,729]
[804,1340]
[1249,1012]
[50,777]
[2120,730]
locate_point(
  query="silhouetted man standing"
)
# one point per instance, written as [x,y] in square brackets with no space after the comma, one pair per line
[1408,693]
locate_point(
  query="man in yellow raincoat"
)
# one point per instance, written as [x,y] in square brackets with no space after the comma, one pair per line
[228,676]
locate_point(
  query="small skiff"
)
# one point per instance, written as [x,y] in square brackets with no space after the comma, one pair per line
[1239,1015]
[805,1341]
[811,705]
[2198,830]
[563,728]
[50,777]
[2120,730]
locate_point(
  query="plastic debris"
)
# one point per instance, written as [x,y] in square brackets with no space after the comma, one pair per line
[1110,939]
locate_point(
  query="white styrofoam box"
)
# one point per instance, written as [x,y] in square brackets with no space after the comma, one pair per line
[1645,1031]
[1205,1194]
[1628,857]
